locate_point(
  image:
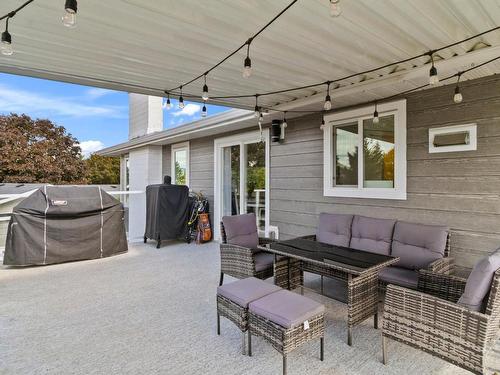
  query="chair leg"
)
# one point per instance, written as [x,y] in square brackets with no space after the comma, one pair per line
[284,364]
[249,344]
[321,284]
[221,280]
[321,348]
[243,343]
[375,321]
[384,350]
[218,324]
[349,336]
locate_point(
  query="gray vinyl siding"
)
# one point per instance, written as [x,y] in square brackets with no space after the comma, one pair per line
[460,189]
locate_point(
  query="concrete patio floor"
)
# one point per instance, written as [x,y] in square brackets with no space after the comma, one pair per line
[153,312]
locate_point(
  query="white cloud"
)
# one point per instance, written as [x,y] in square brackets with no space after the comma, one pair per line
[96,92]
[189,110]
[14,100]
[89,147]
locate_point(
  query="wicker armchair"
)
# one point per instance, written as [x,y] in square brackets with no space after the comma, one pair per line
[430,319]
[238,261]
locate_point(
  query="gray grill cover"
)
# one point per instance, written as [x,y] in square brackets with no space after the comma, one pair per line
[63,223]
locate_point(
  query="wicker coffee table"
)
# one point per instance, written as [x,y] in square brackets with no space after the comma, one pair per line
[358,268]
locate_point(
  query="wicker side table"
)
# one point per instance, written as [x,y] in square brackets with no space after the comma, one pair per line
[233,300]
[286,320]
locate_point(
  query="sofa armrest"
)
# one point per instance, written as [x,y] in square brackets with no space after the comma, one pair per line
[407,310]
[447,287]
[444,266]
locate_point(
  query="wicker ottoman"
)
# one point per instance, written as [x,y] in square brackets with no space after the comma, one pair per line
[233,300]
[286,320]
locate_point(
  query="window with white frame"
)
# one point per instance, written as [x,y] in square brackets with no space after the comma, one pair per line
[363,158]
[180,163]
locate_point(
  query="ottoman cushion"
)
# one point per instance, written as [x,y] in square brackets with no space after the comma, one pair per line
[286,308]
[244,291]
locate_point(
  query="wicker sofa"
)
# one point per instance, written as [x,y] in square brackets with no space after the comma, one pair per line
[449,317]
[419,246]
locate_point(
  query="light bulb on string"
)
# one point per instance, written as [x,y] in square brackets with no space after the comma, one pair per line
[204,95]
[261,117]
[322,126]
[284,120]
[247,65]
[256,112]
[6,45]
[328,102]
[433,73]
[376,119]
[457,97]
[204,110]
[69,16]
[335,8]
[181,100]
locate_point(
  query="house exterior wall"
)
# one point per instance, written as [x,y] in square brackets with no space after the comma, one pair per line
[457,189]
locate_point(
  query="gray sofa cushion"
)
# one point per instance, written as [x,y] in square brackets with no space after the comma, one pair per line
[334,229]
[286,308]
[241,230]
[418,245]
[244,291]
[263,261]
[479,282]
[371,234]
[399,276]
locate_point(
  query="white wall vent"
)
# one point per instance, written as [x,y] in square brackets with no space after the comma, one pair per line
[453,138]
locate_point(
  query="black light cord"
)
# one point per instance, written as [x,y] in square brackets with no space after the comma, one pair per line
[247,44]
[13,13]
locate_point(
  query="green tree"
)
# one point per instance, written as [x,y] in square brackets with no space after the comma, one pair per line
[38,151]
[102,169]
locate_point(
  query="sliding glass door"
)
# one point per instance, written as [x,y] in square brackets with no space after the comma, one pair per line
[242,177]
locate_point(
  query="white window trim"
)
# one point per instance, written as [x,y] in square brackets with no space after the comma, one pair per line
[179,147]
[398,108]
[239,139]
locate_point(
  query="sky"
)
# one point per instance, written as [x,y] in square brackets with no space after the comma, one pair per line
[97,117]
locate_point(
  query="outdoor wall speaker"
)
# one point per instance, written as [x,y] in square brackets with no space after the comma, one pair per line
[277,132]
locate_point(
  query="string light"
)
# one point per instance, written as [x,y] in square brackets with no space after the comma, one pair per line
[204,95]
[322,127]
[261,117]
[335,9]
[328,102]
[256,111]
[376,119]
[457,97]
[433,73]
[204,110]
[6,46]
[167,105]
[284,120]
[247,65]
[69,16]
[181,100]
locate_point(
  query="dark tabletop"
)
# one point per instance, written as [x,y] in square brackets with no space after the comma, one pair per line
[351,260]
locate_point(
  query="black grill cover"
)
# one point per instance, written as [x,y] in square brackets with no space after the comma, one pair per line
[167,211]
[63,223]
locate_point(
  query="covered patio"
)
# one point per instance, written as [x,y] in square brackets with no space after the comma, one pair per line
[153,311]
[382,118]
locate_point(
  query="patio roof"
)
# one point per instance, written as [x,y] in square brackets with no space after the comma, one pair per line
[147,47]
